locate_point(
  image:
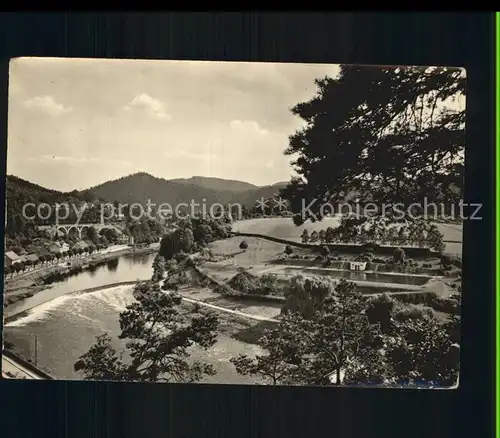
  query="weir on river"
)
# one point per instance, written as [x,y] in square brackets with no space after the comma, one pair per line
[66,323]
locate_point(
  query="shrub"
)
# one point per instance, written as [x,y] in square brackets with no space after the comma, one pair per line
[399,255]
[243,244]
[413,311]
[268,284]
[244,282]
[368,255]
[288,250]
[446,262]
[223,289]
[196,308]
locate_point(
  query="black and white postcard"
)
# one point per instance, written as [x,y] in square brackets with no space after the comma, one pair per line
[234,223]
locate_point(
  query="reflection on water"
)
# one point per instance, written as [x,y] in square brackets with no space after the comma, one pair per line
[113,265]
[125,268]
[364,276]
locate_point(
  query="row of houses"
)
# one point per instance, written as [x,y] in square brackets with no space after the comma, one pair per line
[11,258]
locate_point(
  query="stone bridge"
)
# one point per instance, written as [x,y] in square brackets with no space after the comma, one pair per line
[66,228]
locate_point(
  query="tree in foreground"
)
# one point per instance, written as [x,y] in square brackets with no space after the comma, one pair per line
[158,333]
[282,365]
[426,352]
[393,135]
[344,338]
[306,295]
[311,343]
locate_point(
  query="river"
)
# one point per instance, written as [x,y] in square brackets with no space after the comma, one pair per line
[130,267]
[61,325]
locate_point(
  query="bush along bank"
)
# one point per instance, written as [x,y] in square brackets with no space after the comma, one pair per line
[429,299]
[229,290]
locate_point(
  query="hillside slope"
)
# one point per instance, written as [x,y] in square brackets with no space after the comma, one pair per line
[141,187]
[216,183]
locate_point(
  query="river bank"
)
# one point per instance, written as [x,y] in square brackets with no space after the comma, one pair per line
[27,285]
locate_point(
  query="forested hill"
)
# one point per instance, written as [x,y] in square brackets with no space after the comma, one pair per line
[19,192]
[26,191]
[216,183]
[141,187]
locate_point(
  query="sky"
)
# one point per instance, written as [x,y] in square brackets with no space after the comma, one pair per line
[76,123]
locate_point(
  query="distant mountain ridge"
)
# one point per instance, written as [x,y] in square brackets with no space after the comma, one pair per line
[141,187]
[215,183]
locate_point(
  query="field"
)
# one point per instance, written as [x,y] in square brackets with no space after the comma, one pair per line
[284,228]
[255,258]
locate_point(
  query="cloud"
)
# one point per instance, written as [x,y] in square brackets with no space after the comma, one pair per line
[247,126]
[47,104]
[150,105]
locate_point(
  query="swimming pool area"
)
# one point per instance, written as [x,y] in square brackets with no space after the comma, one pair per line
[413,280]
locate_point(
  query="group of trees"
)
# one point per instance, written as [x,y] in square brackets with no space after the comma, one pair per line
[146,230]
[36,239]
[193,234]
[51,258]
[331,334]
[20,193]
[158,330]
[379,230]
[244,282]
[396,136]
[328,334]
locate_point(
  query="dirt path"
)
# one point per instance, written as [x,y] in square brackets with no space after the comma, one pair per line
[233,312]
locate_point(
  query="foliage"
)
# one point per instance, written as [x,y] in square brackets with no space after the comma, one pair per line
[374,231]
[425,351]
[20,193]
[306,295]
[243,245]
[158,334]
[247,283]
[344,338]
[409,128]
[146,230]
[180,240]
[305,236]
[380,311]
[288,250]
[399,255]
[336,338]
[282,364]
[159,267]
[268,284]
